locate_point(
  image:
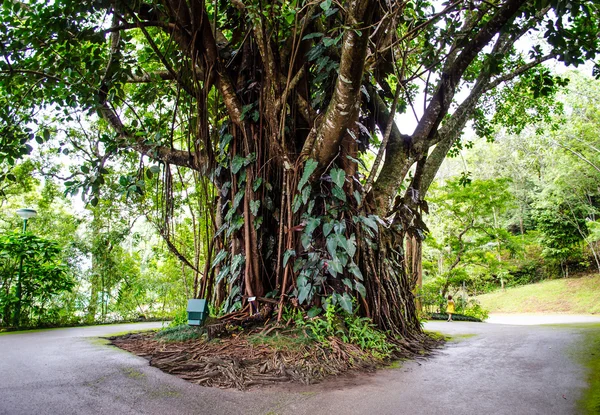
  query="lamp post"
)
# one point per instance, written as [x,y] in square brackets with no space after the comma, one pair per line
[24,214]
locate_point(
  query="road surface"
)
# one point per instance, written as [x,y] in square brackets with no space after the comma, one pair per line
[487,369]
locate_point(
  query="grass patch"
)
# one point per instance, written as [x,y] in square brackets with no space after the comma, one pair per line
[436,335]
[396,364]
[587,353]
[461,337]
[180,333]
[568,295]
[291,340]
[133,373]
[26,331]
[123,333]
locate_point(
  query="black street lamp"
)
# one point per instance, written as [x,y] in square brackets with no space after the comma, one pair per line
[24,214]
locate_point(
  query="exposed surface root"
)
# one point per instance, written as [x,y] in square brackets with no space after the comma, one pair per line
[253,358]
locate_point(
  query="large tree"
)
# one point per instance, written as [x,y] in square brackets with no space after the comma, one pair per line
[274,103]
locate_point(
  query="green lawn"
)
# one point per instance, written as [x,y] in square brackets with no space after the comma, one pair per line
[570,295]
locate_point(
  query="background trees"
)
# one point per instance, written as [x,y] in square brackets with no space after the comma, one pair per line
[269,108]
[550,172]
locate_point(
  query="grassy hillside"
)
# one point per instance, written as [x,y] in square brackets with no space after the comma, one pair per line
[570,295]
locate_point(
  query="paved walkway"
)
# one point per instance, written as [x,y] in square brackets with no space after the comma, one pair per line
[538,319]
[488,369]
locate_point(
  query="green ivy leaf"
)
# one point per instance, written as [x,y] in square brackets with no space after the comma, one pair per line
[326,5]
[354,270]
[297,203]
[361,289]
[304,293]
[312,224]
[312,35]
[338,176]
[220,257]
[309,168]
[339,193]
[332,243]
[287,255]
[345,302]
[254,206]
[351,245]
[305,194]
[237,163]
[257,183]
[335,266]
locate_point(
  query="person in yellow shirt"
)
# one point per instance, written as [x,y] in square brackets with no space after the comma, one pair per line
[450,308]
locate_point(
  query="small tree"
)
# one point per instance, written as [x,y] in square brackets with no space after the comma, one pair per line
[469,214]
[32,274]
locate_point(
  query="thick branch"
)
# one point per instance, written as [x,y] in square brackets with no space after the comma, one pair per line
[346,97]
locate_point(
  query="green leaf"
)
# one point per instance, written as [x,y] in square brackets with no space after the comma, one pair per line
[370,222]
[155,169]
[297,203]
[347,283]
[313,312]
[361,289]
[327,227]
[254,206]
[354,270]
[257,183]
[345,302]
[237,163]
[222,273]
[339,193]
[332,243]
[304,293]
[327,41]
[351,246]
[312,35]
[237,199]
[305,194]
[85,169]
[357,197]
[335,266]
[312,224]
[220,257]
[287,255]
[306,239]
[309,168]
[342,241]
[338,176]
[326,5]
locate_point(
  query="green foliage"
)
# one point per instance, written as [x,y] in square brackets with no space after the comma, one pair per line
[467,219]
[350,329]
[180,333]
[41,278]
[180,318]
[471,308]
[290,340]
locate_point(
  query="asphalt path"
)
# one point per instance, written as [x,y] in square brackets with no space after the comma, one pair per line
[486,369]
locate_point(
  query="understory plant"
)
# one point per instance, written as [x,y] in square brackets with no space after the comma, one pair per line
[349,328]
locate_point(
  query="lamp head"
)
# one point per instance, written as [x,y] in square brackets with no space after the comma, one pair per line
[26,213]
